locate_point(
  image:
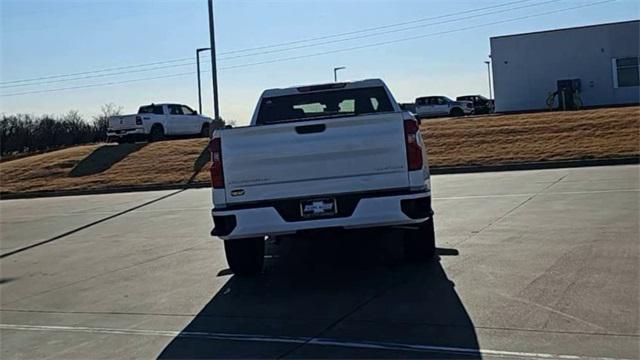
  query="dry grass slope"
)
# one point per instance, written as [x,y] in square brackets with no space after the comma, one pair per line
[166,162]
[482,140]
[533,137]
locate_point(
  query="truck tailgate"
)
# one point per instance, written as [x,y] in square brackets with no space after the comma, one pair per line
[123,122]
[317,157]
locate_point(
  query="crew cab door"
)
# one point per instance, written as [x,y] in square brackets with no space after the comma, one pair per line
[423,108]
[192,122]
[177,123]
[440,106]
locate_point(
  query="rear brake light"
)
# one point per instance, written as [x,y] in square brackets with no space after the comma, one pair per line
[322,87]
[217,175]
[414,151]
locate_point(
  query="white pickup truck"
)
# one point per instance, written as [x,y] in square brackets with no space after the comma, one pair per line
[339,155]
[429,106]
[155,121]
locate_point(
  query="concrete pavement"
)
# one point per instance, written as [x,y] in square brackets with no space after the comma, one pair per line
[533,263]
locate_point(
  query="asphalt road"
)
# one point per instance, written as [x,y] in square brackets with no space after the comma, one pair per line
[532,264]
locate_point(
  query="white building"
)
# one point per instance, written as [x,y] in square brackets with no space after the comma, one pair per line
[604,58]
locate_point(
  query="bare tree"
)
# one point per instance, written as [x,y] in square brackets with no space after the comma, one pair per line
[101,121]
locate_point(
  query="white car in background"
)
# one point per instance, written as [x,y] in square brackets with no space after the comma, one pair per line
[429,106]
[155,121]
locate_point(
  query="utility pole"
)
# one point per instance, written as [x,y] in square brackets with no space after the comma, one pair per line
[335,72]
[198,70]
[214,69]
[489,75]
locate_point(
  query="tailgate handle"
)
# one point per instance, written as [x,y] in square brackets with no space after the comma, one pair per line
[308,129]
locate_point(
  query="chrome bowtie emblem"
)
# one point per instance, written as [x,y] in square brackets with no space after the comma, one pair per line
[318,207]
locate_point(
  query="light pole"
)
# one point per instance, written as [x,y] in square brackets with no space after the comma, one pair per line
[214,69]
[335,72]
[489,75]
[198,70]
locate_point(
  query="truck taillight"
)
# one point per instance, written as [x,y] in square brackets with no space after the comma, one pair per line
[138,120]
[414,151]
[217,175]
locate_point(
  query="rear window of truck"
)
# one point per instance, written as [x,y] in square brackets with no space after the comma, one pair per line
[151,109]
[313,105]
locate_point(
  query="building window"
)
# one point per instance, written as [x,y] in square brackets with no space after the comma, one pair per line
[626,72]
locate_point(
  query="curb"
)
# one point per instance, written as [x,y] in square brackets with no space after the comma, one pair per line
[110,190]
[537,165]
[435,170]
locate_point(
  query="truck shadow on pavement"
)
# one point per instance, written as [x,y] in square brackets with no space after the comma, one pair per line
[333,298]
[103,158]
[200,162]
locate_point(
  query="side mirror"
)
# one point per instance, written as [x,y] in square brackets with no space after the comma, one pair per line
[195,112]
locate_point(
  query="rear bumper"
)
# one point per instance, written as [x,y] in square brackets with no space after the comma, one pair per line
[405,209]
[125,132]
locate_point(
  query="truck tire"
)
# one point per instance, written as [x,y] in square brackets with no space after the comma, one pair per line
[157,133]
[205,131]
[420,243]
[456,112]
[245,256]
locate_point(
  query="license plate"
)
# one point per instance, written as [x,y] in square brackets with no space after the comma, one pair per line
[318,207]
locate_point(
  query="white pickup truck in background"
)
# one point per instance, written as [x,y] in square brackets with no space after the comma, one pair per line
[340,155]
[430,106]
[155,121]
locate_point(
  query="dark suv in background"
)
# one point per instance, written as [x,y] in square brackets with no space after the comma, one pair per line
[481,104]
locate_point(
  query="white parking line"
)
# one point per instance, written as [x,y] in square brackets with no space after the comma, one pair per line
[359,344]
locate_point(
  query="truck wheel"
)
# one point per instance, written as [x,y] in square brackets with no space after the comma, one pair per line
[157,133]
[205,131]
[420,243]
[245,256]
[456,112]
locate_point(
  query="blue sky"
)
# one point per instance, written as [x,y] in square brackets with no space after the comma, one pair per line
[56,37]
